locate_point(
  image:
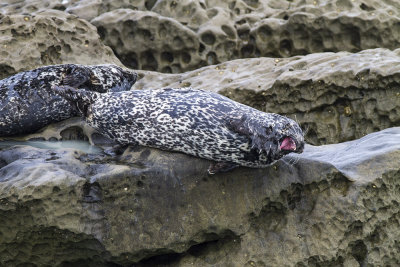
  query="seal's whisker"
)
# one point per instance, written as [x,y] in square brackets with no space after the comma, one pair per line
[293,161]
[305,131]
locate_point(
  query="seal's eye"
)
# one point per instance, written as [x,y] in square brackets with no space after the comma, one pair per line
[268,130]
[286,127]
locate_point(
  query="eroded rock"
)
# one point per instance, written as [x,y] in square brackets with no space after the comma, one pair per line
[241,29]
[330,205]
[226,30]
[130,33]
[52,37]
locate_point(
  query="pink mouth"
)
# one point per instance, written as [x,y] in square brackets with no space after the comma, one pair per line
[288,144]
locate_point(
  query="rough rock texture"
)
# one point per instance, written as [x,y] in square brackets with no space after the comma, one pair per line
[336,97]
[174,46]
[85,9]
[53,37]
[331,206]
[226,30]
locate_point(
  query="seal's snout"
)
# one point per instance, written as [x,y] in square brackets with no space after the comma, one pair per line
[288,144]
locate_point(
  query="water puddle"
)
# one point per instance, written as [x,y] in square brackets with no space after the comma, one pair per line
[74,144]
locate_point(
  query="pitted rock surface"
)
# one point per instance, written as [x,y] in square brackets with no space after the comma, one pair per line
[331,205]
[240,29]
[52,37]
[218,31]
[175,46]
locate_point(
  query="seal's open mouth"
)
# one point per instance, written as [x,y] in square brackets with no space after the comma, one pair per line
[288,144]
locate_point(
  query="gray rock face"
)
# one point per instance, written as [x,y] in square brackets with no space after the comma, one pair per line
[52,37]
[175,53]
[331,205]
[225,30]
[336,97]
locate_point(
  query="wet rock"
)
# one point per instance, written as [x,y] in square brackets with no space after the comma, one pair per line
[51,37]
[333,204]
[336,97]
[74,128]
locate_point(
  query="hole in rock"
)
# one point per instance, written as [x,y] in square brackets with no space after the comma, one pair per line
[167,57]
[149,61]
[228,31]
[166,69]
[208,38]
[247,51]
[201,48]
[59,7]
[285,47]
[73,133]
[212,13]
[366,8]
[211,58]
[102,32]
[149,4]
[129,59]
[186,58]
[252,3]
[359,251]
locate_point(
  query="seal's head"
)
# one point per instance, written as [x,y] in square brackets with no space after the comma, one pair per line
[289,135]
[99,78]
[271,135]
[114,78]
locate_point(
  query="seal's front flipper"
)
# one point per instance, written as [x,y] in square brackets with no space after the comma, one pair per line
[217,167]
[80,99]
[76,76]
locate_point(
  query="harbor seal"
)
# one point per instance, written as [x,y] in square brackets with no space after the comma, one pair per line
[27,102]
[195,122]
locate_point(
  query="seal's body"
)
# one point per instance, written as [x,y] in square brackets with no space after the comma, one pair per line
[191,121]
[27,102]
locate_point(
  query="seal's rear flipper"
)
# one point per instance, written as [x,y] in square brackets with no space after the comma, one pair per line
[217,167]
[79,98]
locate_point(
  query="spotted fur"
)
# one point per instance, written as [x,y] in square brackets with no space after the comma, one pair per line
[191,121]
[27,102]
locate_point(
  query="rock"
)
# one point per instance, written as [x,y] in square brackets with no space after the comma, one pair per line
[89,9]
[240,29]
[336,97]
[51,37]
[30,7]
[85,9]
[221,30]
[173,46]
[334,204]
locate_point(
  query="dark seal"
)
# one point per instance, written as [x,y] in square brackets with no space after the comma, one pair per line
[191,121]
[27,102]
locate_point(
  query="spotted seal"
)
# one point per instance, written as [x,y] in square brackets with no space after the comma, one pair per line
[196,122]
[27,102]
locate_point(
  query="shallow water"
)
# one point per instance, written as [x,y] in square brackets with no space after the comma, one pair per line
[75,144]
